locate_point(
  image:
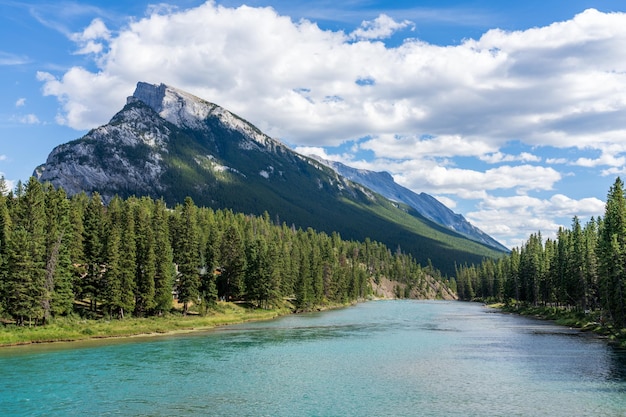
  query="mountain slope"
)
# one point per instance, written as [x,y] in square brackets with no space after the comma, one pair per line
[426,205]
[168,143]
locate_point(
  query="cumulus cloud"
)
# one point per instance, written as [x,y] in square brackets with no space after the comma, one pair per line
[540,86]
[416,107]
[91,40]
[319,152]
[380,28]
[20,102]
[513,219]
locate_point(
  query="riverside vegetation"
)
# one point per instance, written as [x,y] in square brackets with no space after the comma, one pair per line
[72,268]
[577,279]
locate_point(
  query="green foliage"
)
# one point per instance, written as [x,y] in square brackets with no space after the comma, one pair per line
[61,256]
[583,269]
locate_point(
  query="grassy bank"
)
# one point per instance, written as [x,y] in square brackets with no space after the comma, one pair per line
[75,328]
[585,321]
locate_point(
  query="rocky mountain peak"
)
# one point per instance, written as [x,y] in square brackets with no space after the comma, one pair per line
[150,94]
[176,106]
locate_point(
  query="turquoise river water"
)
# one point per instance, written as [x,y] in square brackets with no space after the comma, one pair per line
[379,358]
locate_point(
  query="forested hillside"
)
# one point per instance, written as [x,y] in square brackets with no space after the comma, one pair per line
[61,256]
[584,268]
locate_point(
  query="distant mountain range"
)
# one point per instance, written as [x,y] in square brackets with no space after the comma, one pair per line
[425,204]
[166,143]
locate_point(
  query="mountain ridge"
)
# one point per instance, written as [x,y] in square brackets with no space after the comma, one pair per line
[425,204]
[166,143]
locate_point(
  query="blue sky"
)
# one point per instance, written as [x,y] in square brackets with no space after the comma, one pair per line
[511,113]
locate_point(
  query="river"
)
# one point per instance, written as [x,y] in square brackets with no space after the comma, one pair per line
[379,358]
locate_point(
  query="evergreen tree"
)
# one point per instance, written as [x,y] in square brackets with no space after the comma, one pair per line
[187,255]
[612,250]
[23,291]
[164,263]
[112,288]
[32,262]
[128,261]
[59,269]
[90,285]
[233,263]
[5,232]
[146,258]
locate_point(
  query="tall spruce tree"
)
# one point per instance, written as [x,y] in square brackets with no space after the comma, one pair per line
[164,260]
[146,258]
[59,269]
[128,261]
[26,273]
[90,285]
[187,255]
[233,263]
[5,232]
[612,248]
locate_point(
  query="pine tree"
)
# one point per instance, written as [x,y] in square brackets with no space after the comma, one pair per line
[187,255]
[233,263]
[112,289]
[32,223]
[5,232]
[164,265]
[58,261]
[591,263]
[90,285]
[612,251]
[146,258]
[23,293]
[128,261]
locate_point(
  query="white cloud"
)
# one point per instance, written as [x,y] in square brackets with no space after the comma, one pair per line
[400,147]
[317,151]
[29,119]
[91,39]
[380,28]
[8,59]
[20,102]
[466,183]
[512,219]
[420,106]
[499,157]
[604,160]
[546,85]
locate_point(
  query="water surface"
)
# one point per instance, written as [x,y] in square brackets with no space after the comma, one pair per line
[382,358]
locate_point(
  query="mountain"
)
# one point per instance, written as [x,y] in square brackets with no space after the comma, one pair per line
[168,143]
[425,204]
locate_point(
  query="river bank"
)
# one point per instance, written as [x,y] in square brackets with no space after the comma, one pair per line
[584,321]
[68,329]
[71,329]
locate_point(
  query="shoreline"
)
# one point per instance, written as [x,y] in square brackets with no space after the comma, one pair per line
[82,330]
[571,319]
[91,331]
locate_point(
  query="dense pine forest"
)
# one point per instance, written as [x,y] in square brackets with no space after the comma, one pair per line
[583,269]
[137,257]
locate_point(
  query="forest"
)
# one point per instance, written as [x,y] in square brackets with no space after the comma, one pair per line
[137,257]
[583,268]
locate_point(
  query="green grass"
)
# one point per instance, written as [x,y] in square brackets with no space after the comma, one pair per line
[74,328]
